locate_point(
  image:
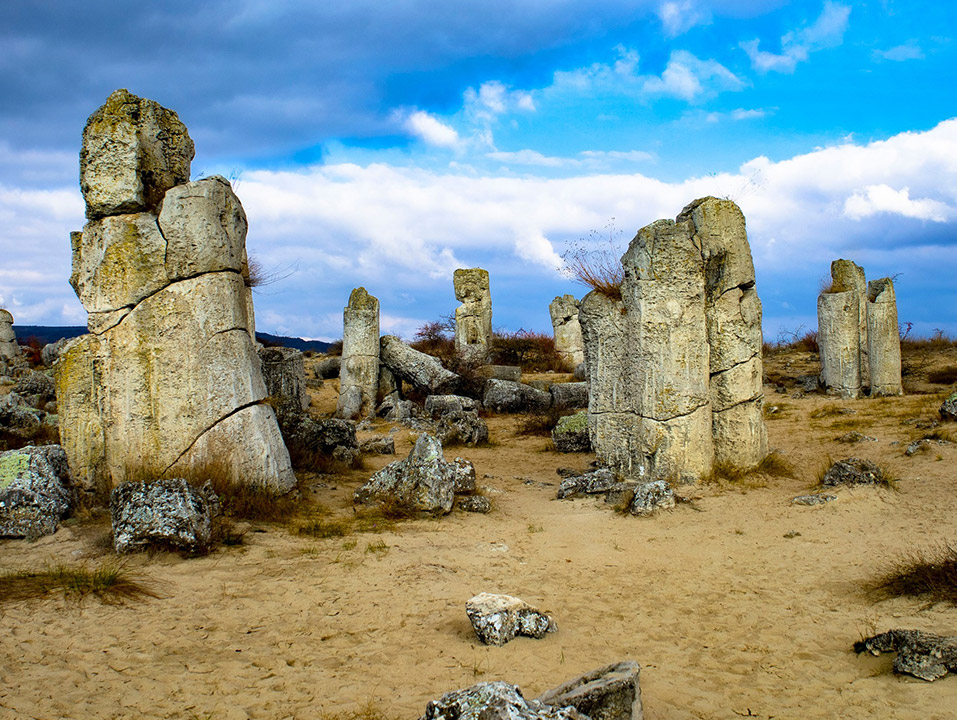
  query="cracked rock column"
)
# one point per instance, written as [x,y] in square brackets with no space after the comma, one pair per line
[839,316]
[359,370]
[168,380]
[567,329]
[849,276]
[733,319]
[9,349]
[473,318]
[883,338]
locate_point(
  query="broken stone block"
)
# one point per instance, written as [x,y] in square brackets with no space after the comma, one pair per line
[569,395]
[36,491]
[505,396]
[463,427]
[497,619]
[571,434]
[649,497]
[438,405]
[608,693]
[922,654]
[494,701]
[384,445]
[168,512]
[416,368]
[474,504]
[473,318]
[9,349]
[594,482]
[853,471]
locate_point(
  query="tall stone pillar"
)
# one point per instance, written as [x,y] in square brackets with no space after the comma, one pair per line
[168,381]
[733,318]
[473,318]
[359,369]
[883,338]
[839,340]
[849,276]
[567,329]
[9,349]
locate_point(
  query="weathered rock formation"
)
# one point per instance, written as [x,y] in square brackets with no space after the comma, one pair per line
[497,619]
[883,339]
[285,376]
[9,349]
[495,701]
[167,513]
[359,370]
[922,654]
[858,334]
[168,380]
[416,368]
[567,330]
[36,491]
[675,365]
[473,318]
[607,693]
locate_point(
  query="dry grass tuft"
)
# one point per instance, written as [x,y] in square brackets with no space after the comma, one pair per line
[596,262]
[943,376]
[930,574]
[111,583]
[542,422]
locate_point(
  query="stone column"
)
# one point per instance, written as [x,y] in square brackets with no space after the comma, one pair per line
[733,318]
[849,276]
[883,338]
[567,329]
[168,381]
[284,373]
[9,349]
[359,370]
[839,339]
[473,318]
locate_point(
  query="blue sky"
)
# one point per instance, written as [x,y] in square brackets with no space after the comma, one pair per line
[386,144]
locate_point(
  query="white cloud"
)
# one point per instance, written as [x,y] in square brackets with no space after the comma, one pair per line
[431,130]
[827,31]
[689,78]
[900,53]
[877,199]
[679,16]
[527,157]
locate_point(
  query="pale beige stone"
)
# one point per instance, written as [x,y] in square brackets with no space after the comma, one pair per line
[359,370]
[849,276]
[9,349]
[883,338]
[839,339]
[473,318]
[567,329]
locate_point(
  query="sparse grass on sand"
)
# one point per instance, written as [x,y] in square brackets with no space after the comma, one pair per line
[376,518]
[773,465]
[368,711]
[110,582]
[928,574]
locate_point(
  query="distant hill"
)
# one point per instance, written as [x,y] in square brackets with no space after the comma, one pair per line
[51,333]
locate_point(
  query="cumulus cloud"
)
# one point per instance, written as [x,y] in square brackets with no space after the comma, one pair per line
[679,16]
[430,129]
[690,78]
[900,53]
[877,199]
[825,32]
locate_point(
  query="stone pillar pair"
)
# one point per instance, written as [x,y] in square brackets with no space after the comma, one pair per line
[675,364]
[858,335]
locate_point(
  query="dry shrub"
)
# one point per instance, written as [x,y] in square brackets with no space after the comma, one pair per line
[542,422]
[111,583]
[944,376]
[930,574]
[376,518]
[798,339]
[532,351]
[596,262]
[436,338]
[32,348]
[335,348]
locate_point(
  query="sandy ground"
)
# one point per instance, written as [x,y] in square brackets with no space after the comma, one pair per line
[736,605]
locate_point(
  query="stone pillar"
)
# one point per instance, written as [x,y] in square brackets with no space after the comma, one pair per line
[359,370]
[168,380]
[733,318]
[649,406]
[849,276]
[9,349]
[284,373]
[883,338]
[567,329]
[473,318]
[839,339]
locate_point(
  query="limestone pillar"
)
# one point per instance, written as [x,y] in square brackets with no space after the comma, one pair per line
[849,276]
[9,349]
[359,370]
[839,340]
[473,318]
[168,380]
[284,373]
[735,340]
[567,329]
[883,338]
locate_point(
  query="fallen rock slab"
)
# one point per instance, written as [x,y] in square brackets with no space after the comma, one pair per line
[813,499]
[922,654]
[36,491]
[571,395]
[505,396]
[168,512]
[494,701]
[416,368]
[608,693]
[853,471]
[590,483]
[497,619]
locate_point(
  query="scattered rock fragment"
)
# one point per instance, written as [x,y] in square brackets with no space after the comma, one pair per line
[608,693]
[922,654]
[36,491]
[813,499]
[168,512]
[948,409]
[497,619]
[853,471]
[384,445]
[505,396]
[474,504]
[571,434]
[652,496]
[593,482]
[494,701]
[855,437]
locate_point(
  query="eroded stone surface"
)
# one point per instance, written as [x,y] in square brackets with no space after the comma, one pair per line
[948,409]
[9,349]
[494,701]
[607,693]
[497,619]
[883,339]
[168,512]
[853,471]
[285,377]
[416,368]
[922,654]
[571,434]
[473,318]
[505,396]
[567,330]
[359,369]
[36,491]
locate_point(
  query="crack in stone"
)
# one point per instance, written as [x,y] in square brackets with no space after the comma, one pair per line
[647,417]
[740,402]
[732,367]
[204,432]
